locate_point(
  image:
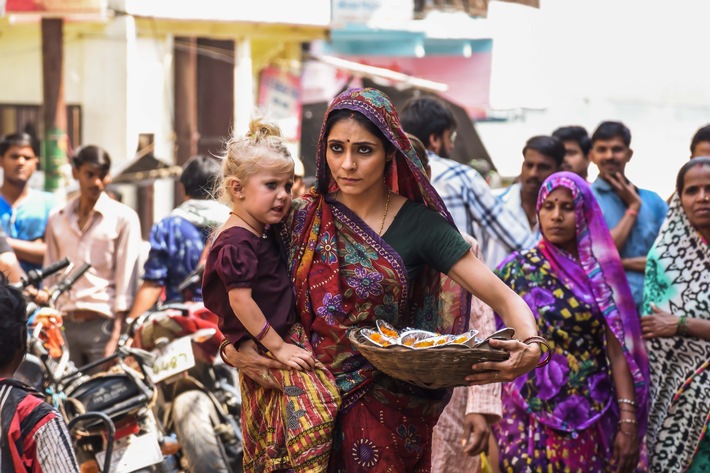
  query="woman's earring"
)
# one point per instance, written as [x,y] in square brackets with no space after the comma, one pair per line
[241,196]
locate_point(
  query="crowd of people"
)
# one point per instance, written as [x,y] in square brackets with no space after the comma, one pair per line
[606,285]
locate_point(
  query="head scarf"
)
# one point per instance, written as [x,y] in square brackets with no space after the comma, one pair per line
[600,270]
[678,281]
[406,176]
[678,268]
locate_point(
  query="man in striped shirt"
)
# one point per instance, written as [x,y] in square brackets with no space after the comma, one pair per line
[465,192]
[33,436]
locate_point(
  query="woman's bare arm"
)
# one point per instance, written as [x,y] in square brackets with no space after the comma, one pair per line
[250,363]
[471,274]
[474,276]
[626,443]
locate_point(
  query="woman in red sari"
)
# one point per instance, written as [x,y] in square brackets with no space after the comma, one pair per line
[371,242]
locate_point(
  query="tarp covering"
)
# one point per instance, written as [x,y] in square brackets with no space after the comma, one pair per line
[472,7]
[144,168]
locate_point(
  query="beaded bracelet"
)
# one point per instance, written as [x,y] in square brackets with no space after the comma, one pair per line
[682,327]
[224,343]
[542,342]
[264,331]
[627,421]
[626,401]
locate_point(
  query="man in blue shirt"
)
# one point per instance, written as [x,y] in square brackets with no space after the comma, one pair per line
[177,241]
[633,215]
[23,211]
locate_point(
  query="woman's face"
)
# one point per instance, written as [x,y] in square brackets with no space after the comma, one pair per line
[557,219]
[355,156]
[695,196]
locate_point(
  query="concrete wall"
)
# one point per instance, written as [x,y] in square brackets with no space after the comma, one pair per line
[124,84]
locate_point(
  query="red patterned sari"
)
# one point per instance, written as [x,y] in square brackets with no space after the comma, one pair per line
[346,277]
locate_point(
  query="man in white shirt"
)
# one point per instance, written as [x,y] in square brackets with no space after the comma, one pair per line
[98,230]
[542,156]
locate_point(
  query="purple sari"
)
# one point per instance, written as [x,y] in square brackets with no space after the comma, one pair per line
[565,415]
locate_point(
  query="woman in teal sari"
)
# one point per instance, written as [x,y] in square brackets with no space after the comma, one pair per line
[677,327]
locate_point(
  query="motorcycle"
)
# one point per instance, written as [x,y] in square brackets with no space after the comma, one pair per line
[199,397]
[44,328]
[125,394]
[110,411]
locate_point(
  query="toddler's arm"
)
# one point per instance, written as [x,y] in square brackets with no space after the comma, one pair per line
[254,321]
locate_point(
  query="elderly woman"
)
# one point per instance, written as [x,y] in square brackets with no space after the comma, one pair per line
[677,327]
[585,410]
[371,242]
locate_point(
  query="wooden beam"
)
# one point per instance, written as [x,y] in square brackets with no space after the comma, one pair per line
[54,108]
[229,30]
[187,135]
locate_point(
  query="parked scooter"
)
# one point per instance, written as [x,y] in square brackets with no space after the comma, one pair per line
[199,398]
[110,411]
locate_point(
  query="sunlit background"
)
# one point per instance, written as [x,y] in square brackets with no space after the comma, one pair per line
[580,62]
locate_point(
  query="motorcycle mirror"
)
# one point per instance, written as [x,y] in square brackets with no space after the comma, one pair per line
[203,335]
[31,308]
[145,357]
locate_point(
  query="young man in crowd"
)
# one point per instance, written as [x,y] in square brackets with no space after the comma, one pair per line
[177,241]
[467,196]
[33,435]
[23,211]
[633,215]
[577,145]
[542,156]
[98,230]
[700,145]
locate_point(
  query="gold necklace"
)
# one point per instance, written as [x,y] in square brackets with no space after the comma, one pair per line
[384,217]
[387,207]
[263,234]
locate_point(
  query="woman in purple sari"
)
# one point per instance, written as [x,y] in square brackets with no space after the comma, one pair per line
[586,410]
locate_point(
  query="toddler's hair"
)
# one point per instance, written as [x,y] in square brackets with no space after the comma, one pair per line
[261,149]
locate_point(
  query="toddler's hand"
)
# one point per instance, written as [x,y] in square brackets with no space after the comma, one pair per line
[295,357]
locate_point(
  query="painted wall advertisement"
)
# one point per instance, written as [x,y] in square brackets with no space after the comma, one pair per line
[280,100]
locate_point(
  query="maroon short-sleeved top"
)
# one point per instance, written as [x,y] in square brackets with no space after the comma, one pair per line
[237,259]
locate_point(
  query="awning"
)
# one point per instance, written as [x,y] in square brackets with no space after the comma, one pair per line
[397,79]
[146,167]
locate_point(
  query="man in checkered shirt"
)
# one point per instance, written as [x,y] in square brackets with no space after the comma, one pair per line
[467,196]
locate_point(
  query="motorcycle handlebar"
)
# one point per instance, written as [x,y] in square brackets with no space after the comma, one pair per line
[34,276]
[66,284]
[192,278]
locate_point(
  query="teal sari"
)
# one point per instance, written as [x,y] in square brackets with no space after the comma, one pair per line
[678,281]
